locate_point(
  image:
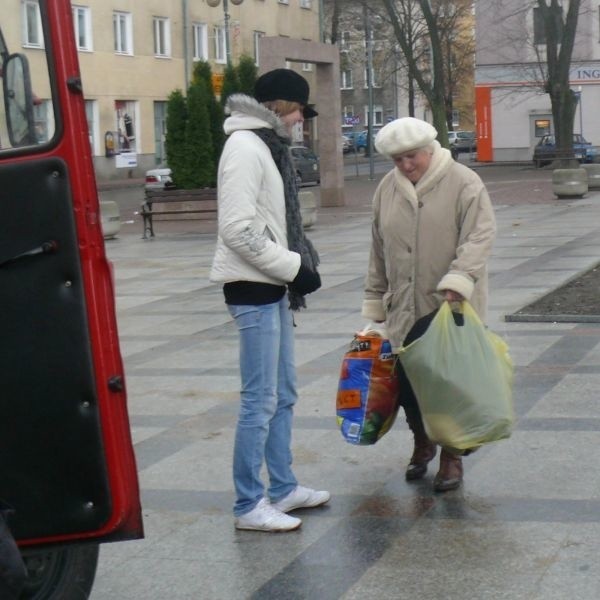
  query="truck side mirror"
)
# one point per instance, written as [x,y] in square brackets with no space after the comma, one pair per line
[18,100]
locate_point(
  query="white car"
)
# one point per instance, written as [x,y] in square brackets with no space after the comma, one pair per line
[158,179]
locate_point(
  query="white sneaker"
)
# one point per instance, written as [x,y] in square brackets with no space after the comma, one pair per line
[265,517]
[302,497]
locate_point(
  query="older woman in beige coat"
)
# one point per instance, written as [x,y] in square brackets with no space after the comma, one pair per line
[432,233]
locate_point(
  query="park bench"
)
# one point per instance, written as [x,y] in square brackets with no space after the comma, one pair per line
[175,203]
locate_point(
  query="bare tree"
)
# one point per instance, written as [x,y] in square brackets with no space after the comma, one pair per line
[539,58]
[414,32]
[560,38]
[437,80]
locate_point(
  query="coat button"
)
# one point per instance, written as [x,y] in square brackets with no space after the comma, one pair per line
[409,249]
[420,204]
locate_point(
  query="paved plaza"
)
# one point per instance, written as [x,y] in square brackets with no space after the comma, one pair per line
[526,523]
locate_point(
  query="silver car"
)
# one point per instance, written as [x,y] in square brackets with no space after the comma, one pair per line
[306,165]
[158,179]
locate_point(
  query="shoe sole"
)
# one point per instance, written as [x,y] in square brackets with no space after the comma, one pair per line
[287,510]
[267,529]
[446,488]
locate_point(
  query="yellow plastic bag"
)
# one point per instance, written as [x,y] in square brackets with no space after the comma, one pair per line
[462,378]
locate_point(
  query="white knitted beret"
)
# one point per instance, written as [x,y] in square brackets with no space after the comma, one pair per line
[403,135]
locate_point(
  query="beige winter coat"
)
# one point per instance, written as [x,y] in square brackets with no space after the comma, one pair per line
[433,236]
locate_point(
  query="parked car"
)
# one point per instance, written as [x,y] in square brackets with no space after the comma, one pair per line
[545,150]
[462,141]
[159,179]
[360,141]
[347,144]
[306,165]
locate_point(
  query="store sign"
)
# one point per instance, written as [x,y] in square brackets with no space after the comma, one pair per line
[126,160]
[586,74]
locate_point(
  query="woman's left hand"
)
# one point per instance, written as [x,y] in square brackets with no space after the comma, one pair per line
[451,296]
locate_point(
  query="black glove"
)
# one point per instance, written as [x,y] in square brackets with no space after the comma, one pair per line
[305,282]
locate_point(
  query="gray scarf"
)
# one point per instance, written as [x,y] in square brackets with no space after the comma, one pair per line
[297,241]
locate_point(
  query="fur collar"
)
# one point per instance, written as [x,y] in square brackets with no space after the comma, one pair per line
[248,113]
[441,161]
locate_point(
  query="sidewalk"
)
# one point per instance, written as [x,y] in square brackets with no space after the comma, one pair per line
[526,525]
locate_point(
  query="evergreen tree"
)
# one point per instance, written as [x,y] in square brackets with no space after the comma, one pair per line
[175,137]
[247,73]
[231,83]
[202,71]
[198,140]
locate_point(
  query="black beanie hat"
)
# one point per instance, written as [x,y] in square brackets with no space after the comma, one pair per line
[284,84]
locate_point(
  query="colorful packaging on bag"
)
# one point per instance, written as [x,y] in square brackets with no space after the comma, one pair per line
[367,397]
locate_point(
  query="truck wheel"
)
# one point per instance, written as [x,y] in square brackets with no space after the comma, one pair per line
[62,573]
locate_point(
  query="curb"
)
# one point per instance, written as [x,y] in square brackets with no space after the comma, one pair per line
[531,318]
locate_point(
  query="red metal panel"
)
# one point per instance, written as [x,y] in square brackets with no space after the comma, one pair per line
[483,115]
[74,148]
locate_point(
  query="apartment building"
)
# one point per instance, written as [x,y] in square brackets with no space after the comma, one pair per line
[134,53]
[513,110]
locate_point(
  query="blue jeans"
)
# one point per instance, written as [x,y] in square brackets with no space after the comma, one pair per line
[268,395]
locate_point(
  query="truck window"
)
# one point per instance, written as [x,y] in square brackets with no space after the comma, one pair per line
[27,116]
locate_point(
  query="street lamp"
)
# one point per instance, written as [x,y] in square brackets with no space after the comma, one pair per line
[580,111]
[214,3]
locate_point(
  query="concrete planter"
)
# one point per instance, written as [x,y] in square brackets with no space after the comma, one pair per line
[593,175]
[569,183]
[110,217]
[308,208]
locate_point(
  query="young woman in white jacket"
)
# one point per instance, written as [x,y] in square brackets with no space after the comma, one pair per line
[267,266]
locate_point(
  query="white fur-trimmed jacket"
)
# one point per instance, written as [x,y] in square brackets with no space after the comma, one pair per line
[428,237]
[252,234]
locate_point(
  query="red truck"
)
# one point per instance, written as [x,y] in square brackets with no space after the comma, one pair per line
[67,466]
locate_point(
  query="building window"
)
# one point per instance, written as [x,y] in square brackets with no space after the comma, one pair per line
[200,33]
[305,3]
[123,32]
[43,120]
[91,114]
[82,24]
[344,42]
[126,126]
[160,132]
[542,127]
[220,45]
[373,78]
[257,36]
[307,67]
[162,37]
[455,118]
[377,116]
[348,118]
[283,1]
[32,24]
[346,77]
[539,29]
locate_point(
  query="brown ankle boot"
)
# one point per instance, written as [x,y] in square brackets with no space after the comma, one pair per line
[424,449]
[450,475]
[423,453]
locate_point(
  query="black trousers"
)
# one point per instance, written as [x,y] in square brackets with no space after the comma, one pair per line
[406,395]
